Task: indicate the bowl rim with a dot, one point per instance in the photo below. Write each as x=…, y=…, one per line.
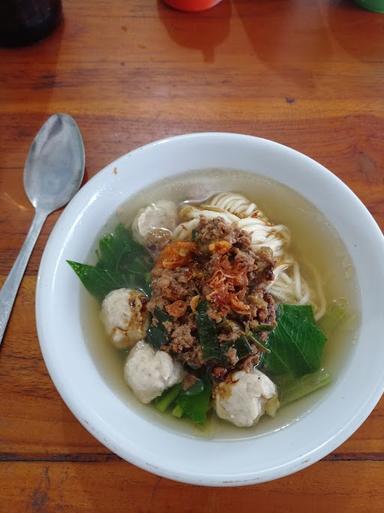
x=96, y=428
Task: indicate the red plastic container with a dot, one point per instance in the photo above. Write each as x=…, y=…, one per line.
x=192, y=5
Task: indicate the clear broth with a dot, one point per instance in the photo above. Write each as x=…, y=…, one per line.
x=320, y=246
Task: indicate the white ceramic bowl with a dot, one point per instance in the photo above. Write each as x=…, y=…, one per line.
x=349, y=399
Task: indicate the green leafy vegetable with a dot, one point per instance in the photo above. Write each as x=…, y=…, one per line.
x=296, y=344
x=122, y=262
x=197, y=388
x=207, y=333
x=177, y=411
x=163, y=402
x=97, y=281
x=264, y=327
x=194, y=403
x=157, y=335
x=119, y=252
x=161, y=315
x=243, y=347
x=291, y=390
x=253, y=337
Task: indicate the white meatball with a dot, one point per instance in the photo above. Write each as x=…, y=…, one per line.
x=149, y=372
x=124, y=316
x=246, y=398
x=153, y=225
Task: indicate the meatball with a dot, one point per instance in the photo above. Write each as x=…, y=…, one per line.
x=149, y=372
x=124, y=316
x=245, y=398
x=153, y=226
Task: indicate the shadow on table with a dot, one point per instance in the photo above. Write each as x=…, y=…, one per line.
x=202, y=31
x=358, y=31
x=292, y=39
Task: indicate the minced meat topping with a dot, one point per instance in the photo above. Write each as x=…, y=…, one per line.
x=220, y=268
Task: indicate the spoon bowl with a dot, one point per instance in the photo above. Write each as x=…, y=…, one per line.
x=54, y=168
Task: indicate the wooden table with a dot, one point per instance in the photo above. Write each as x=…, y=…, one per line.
x=307, y=73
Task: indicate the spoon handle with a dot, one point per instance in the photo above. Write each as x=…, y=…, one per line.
x=11, y=285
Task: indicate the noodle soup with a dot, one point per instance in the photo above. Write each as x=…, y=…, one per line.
x=321, y=277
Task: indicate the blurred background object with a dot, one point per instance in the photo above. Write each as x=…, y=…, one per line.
x=192, y=5
x=25, y=21
x=372, y=5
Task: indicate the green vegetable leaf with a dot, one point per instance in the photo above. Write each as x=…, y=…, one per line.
x=158, y=335
x=168, y=397
x=122, y=263
x=119, y=252
x=99, y=282
x=296, y=344
x=243, y=347
x=207, y=333
x=195, y=402
x=196, y=388
x=292, y=389
x=161, y=315
x=177, y=411
x=263, y=327
x=254, y=338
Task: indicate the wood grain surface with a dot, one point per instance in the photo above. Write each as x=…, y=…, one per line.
x=307, y=73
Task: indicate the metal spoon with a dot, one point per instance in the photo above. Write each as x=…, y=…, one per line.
x=53, y=172
x=199, y=201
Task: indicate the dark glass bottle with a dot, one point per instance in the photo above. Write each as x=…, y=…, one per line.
x=25, y=21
